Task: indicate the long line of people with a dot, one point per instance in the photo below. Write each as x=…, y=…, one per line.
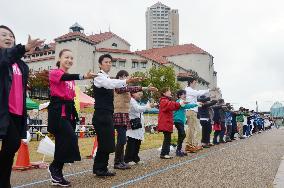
x=117, y=107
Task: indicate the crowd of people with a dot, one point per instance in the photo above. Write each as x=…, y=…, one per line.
x=117, y=109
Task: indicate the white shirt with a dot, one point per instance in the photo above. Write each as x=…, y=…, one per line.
x=103, y=80
x=135, y=110
x=191, y=96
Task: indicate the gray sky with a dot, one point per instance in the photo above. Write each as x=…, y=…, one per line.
x=246, y=37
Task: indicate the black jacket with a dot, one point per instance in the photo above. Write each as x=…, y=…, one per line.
x=219, y=114
x=7, y=58
x=203, y=111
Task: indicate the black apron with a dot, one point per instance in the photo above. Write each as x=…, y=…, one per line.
x=63, y=129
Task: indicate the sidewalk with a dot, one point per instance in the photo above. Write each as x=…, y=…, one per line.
x=279, y=178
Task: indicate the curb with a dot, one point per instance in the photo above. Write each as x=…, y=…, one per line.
x=279, y=178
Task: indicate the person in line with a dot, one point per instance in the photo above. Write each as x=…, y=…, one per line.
x=192, y=141
x=165, y=119
x=205, y=121
x=240, y=122
x=103, y=116
x=121, y=117
x=13, y=113
x=179, y=121
x=228, y=122
x=135, y=136
x=219, y=122
x=62, y=116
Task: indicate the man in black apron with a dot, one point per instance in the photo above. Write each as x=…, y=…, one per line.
x=103, y=115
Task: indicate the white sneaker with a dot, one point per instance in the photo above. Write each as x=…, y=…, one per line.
x=140, y=163
x=131, y=163
x=166, y=157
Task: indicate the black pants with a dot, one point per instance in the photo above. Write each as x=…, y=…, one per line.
x=103, y=124
x=229, y=131
x=166, y=144
x=234, y=130
x=132, y=150
x=181, y=134
x=121, y=141
x=223, y=131
x=206, y=131
x=216, y=134
x=10, y=145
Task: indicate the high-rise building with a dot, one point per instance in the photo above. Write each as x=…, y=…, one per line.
x=162, y=26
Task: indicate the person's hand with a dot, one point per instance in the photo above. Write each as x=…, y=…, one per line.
x=133, y=80
x=151, y=88
x=89, y=75
x=32, y=43
x=182, y=103
x=152, y=105
x=200, y=104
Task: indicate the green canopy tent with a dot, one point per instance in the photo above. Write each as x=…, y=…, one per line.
x=31, y=104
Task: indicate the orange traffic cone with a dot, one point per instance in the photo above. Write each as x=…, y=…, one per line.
x=81, y=134
x=23, y=159
x=95, y=147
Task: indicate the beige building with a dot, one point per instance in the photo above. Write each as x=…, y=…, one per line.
x=162, y=26
x=186, y=60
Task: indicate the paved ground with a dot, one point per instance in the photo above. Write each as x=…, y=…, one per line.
x=251, y=162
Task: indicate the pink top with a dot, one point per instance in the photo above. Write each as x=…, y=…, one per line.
x=63, y=89
x=16, y=101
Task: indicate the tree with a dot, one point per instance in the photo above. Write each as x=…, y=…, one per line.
x=159, y=77
x=39, y=80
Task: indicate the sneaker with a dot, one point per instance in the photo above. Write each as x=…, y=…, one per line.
x=53, y=174
x=120, y=166
x=62, y=183
x=179, y=153
x=206, y=146
x=228, y=140
x=140, y=163
x=199, y=148
x=126, y=165
x=192, y=149
x=184, y=153
x=131, y=163
x=104, y=173
x=166, y=157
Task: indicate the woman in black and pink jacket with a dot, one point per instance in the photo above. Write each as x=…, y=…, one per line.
x=13, y=115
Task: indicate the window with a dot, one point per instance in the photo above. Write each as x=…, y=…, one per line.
x=122, y=64
x=134, y=64
x=143, y=64
x=114, y=63
x=114, y=45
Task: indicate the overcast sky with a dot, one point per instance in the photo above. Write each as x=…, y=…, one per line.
x=246, y=37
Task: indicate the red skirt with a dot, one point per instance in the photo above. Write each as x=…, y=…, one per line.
x=217, y=127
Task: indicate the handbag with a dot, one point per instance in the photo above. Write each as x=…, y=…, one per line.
x=136, y=123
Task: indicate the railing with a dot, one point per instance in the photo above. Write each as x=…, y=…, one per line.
x=39, y=93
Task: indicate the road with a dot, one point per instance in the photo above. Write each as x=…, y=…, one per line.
x=251, y=162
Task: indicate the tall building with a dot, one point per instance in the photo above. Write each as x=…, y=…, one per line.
x=162, y=26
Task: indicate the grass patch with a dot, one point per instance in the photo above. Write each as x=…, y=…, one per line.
x=86, y=146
